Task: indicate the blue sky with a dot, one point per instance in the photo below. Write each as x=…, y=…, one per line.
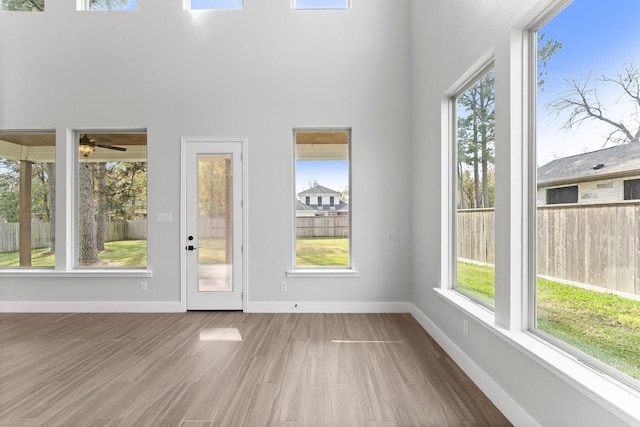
x=333, y=174
x=130, y=5
x=216, y=4
x=597, y=37
x=321, y=4
x=237, y=4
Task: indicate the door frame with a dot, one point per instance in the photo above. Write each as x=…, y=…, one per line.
x=184, y=142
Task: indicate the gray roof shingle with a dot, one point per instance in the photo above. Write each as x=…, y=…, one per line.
x=615, y=160
x=318, y=189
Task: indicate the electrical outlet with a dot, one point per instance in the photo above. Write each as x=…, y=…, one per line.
x=143, y=286
x=465, y=327
x=283, y=286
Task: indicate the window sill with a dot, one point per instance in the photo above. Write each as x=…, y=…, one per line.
x=16, y=273
x=323, y=272
x=617, y=397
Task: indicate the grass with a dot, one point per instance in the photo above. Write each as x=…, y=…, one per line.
x=211, y=251
x=603, y=325
x=123, y=253
x=477, y=280
x=322, y=251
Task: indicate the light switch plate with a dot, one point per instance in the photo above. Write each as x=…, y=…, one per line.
x=164, y=217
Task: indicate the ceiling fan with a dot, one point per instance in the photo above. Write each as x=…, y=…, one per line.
x=87, y=145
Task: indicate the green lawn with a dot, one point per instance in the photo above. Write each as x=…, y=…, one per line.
x=124, y=253
x=211, y=251
x=477, y=280
x=322, y=251
x=605, y=326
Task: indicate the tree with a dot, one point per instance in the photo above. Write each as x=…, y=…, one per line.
x=476, y=136
x=9, y=190
x=581, y=102
x=100, y=171
x=546, y=49
x=107, y=4
x=51, y=186
x=38, y=5
x=23, y=5
x=88, y=251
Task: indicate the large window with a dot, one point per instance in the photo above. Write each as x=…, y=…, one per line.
x=475, y=188
x=111, y=212
x=322, y=228
x=587, y=281
x=27, y=199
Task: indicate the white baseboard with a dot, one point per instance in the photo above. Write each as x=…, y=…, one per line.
x=89, y=307
x=327, y=307
x=509, y=407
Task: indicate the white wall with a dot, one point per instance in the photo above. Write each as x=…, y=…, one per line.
x=256, y=73
x=449, y=37
x=380, y=68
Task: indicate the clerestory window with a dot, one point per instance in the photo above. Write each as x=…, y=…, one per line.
x=107, y=5
x=213, y=4
x=22, y=5
x=320, y=4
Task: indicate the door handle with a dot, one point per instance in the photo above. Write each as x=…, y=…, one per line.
x=190, y=247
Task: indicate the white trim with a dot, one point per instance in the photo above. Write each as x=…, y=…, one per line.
x=604, y=390
x=295, y=270
x=184, y=141
x=323, y=272
x=327, y=307
x=32, y=272
x=505, y=403
x=90, y=307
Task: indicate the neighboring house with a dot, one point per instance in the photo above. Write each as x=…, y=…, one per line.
x=320, y=201
x=604, y=176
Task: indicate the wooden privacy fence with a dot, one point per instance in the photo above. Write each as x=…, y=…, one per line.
x=322, y=226
x=9, y=236
x=41, y=233
x=319, y=226
x=211, y=227
x=597, y=245
x=476, y=235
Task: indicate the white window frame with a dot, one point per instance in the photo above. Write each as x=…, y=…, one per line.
x=320, y=271
x=66, y=205
x=531, y=80
x=77, y=133
x=470, y=79
x=516, y=209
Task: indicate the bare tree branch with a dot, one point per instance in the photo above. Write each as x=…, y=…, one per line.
x=581, y=103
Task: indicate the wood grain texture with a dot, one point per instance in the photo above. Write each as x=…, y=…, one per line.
x=210, y=369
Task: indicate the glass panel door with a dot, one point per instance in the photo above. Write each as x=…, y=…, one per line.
x=215, y=223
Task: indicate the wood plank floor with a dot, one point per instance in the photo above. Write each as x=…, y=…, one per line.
x=206, y=369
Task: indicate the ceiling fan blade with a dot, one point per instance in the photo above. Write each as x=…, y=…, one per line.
x=101, y=139
x=111, y=147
